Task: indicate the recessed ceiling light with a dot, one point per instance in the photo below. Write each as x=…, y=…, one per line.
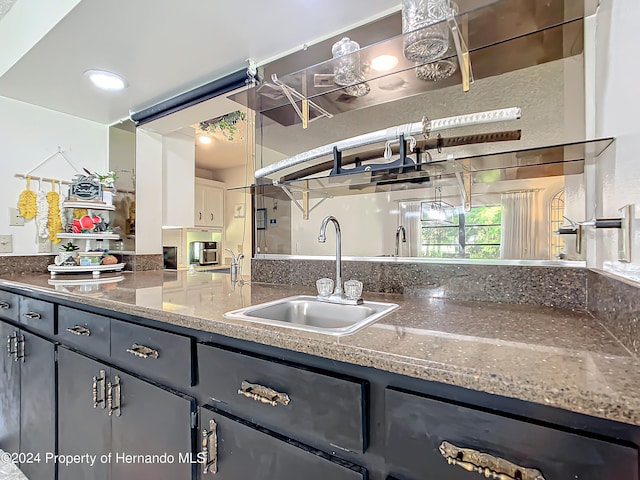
x=383, y=63
x=106, y=80
x=204, y=139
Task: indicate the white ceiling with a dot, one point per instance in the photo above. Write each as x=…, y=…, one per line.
x=164, y=47
x=5, y=6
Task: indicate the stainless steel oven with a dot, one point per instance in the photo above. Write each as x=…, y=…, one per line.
x=203, y=253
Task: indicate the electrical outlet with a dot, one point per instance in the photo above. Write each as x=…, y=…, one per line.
x=44, y=245
x=15, y=219
x=6, y=243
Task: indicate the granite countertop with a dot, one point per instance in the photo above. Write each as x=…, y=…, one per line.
x=557, y=357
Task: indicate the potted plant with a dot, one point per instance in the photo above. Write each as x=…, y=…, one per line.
x=108, y=182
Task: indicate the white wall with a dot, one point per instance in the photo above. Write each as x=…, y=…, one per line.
x=148, y=192
x=178, y=189
x=28, y=135
x=617, y=104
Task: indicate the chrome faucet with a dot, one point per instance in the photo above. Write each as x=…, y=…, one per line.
x=236, y=264
x=338, y=295
x=404, y=238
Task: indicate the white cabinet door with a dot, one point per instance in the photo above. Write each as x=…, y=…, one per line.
x=209, y=204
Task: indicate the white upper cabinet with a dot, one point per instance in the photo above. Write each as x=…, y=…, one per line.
x=209, y=203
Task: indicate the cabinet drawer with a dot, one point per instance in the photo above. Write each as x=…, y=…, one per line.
x=321, y=408
x=37, y=314
x=152, y=353
x=241, y=451
x=87, y=331
x=9, y=305
x=417, y=426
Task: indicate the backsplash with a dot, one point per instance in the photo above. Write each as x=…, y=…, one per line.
x=563, y=287
x=616, y=303
x=22, y=264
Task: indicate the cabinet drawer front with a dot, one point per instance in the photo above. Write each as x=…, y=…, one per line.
x=9, y=305
x=152, y=353
x=37, y=314
x=321, y=408
x=417, y=426
x=243, y=452
x=87, y=331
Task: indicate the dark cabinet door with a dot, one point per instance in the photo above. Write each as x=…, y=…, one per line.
x=9, y=390
x=38, y=405
x=149, y=420
x=82, y=428
x=241, y=451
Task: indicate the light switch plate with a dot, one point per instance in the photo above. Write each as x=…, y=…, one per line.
x=15, y=219
x=6, y=243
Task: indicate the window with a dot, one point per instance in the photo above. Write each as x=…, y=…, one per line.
x=556, y=219
x=473, y=234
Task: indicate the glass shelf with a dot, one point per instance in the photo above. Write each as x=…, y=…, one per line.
x=501, y=36
x=548, y=161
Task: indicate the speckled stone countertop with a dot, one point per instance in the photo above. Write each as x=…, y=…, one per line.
x=551, y=356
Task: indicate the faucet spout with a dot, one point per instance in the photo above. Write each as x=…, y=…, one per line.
x=322, y=238
x=399, y=230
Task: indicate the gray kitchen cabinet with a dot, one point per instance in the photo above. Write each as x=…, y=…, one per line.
x=429, y=438
x=233, y=449
x=152, y=422
x=84, y=426
x=27, y=400
x=37, y=405
x=147, y=429
x=9, y=391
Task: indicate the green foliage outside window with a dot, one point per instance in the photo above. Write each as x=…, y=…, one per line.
x=478, y=238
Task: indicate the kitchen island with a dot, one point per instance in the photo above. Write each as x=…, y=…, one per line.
x=545, y=372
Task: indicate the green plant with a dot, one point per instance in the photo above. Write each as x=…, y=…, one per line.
x=226, y=124
x=109, y=179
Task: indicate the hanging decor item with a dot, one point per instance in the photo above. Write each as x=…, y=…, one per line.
x=27, y=202
x=54, y=223
x=346, y=69
x=42, y=214
x=437, y=211
x=426, y=33
x=226, y=124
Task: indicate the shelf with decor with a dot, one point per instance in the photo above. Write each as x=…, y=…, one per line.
x=320, y=181
x=89, y=205
x=527, y=37
x=95, y=270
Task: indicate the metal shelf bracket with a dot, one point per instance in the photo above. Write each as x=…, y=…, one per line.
x=294, y=97
x=305, y=207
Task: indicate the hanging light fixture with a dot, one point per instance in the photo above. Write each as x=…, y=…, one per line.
x=437, y=211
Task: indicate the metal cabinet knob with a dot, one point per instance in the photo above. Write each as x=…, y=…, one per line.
x=97, y=381
x=79, y=330
x=210, y=449
x=263, y=394
x=113, y=397
x=32, y=315
x=5, y=305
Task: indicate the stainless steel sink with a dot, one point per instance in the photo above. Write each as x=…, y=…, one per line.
x=304, y=312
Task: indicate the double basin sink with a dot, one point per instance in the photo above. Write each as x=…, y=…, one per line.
x=305, y=312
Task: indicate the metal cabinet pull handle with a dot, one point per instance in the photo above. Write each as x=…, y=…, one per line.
x=210, y=449
x=79, y=330
x=19, y=348
x=142, y=351
x=487, y=465
x=212, y=217
x=113, y=397
x=99, y=400
x=263, y=394
x=5, y=305
x=32, y=315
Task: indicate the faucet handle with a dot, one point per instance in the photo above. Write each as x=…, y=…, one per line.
x=353, y=289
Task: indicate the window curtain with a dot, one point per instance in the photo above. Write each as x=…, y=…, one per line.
x=409, y=218
x=519, y=235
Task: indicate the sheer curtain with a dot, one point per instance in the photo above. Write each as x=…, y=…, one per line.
x=519, y=236
x=409, y=218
